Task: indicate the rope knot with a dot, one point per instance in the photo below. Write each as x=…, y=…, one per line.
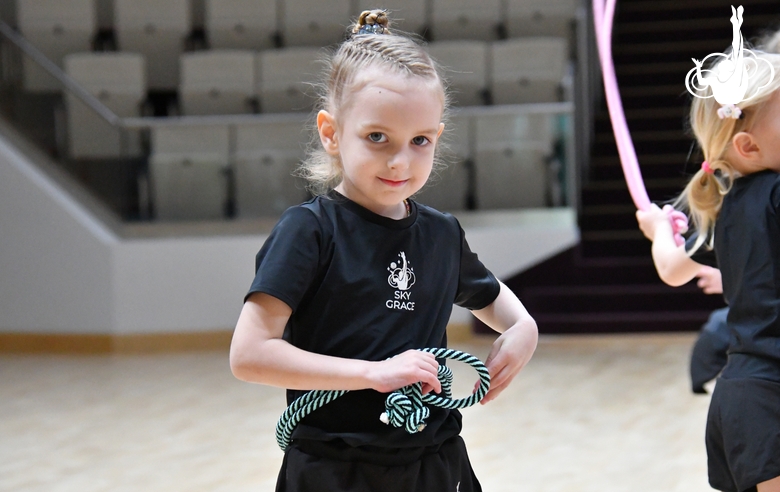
x=405, y=408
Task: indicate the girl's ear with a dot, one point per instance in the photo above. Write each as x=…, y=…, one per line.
x=745, y=146
x=441, y=130
x=326, y=126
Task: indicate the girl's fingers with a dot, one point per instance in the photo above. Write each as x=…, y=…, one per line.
x=433, y=382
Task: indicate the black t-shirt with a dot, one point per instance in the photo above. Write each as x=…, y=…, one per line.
x=367, y=287
x=747, y=245
x=704, y=254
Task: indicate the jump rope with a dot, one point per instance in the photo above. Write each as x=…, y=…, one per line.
x=405, y=408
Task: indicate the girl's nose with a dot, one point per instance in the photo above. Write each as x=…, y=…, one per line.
x=399, y=160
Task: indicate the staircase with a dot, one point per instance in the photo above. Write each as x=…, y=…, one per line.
x=608, y=283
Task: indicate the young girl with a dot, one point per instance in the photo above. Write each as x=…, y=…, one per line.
x=350, y=283
x=735, y=200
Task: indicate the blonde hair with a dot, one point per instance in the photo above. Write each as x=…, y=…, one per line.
x=770, y=42
x=703, y=196
x=370, y=45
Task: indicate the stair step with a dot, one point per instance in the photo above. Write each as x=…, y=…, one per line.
x=624, y=50
x=570, y=268
x=647, y=136
x=615, y=298
x=607, y=209
x=659, y=171
x=675, y=6
x=680, y=146
x=636, y=322
x=673, y=9
x=677, y=122
x=644, y=159
x=665, y=73
x=618, y=220
x=646, y=113
x=617, y=193
x=680, y=99
x=628, y=243
x=652, y=90
x=709, y=24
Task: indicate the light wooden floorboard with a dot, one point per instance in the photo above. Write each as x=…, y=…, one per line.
x=589, y=413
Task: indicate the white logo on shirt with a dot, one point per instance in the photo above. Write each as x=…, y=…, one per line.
x=401, y=278
x=401, y=275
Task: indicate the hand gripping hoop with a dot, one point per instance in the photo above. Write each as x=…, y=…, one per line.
x=403, y=407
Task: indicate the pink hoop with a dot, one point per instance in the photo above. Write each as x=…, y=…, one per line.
x=604, y=13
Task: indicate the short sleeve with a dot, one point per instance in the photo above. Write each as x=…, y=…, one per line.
x=703, y=254
x=477, y=286
x=288, y=261
x=775, y=196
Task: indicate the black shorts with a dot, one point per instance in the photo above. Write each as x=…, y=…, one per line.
x=743, y=434
x=444, y=468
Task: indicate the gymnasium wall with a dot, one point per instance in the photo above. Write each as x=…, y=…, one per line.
x=64, y=271
x=55, y=258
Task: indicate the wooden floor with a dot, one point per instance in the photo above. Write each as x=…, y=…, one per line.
x=589, y=413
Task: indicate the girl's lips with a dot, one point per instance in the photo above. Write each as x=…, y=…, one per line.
x=391, y=182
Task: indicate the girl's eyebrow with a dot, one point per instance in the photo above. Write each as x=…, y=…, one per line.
x=383, y=128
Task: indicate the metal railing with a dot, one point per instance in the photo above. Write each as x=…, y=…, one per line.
x=586, y=95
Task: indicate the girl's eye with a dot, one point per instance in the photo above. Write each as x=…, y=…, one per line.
x=420, y=140
x=377, y=137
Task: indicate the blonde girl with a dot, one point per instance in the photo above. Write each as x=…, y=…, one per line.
x=350, y=283
x=734, y=204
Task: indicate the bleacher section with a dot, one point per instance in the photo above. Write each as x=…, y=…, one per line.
x=119, y=81
x=188, y=171
x=241, y=24
x=231, y=57
x=57, y=28
x=218, y=82
x=157, y=29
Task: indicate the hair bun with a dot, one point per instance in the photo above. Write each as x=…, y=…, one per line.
x=372, y=22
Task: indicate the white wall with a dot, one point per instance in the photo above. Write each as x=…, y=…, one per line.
x=182, y=284
x=64, y=271
x=55, y=259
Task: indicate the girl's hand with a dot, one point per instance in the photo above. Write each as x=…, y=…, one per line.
x=407, y=368
x=510, y=353
x=710, y=280
x=650, y=219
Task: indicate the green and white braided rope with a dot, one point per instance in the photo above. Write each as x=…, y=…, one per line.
x=403, y=408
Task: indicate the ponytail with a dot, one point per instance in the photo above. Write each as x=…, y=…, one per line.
x=715, y=128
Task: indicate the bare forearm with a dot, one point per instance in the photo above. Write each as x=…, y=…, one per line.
x=506, y=312
x=277, y=363
x=258, y=353
x=517, y=343
x=673, y=264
